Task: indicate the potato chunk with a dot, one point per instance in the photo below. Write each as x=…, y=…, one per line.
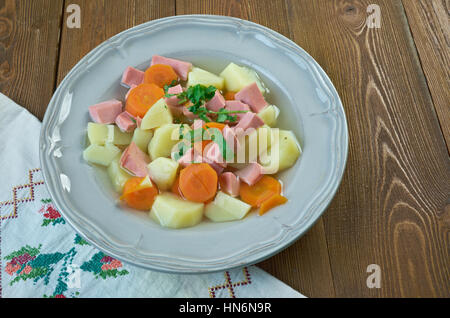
x=117, y=175
x=142, y=137
x=164, y=139
x=269, y=115
x=200, y=76
x=288, y=152
x=226, y=208
x=237, y=77
x=163, y=172
x=118, y=137
x=158, y=115
x=101, y=155
x=171, y=211
x=97, y=133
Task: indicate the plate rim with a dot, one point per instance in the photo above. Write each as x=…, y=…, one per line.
x=186, y=266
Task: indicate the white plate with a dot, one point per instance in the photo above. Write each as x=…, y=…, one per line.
x=309, y=106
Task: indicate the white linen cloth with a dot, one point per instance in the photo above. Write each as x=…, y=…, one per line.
x=42, y=256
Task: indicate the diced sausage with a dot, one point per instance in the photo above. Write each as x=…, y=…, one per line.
x=135, y=161
x=251, y=173
x=106, y=112
x=216, y=103
x=229, y=183
x=132, y=77
x=252, y=96
x=126, y=122
x=180, y=67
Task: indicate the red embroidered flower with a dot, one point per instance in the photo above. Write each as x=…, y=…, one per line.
x=52, y=213
x=106, y=259
x=116, y=264
x=12, y=268
x=106, y=267
x=27, y=269
x=60, y=296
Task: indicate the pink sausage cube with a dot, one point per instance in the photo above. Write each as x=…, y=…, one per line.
x=126, y=122
x=216, y=103
x=251, y=173
x=235, y=105
x=229, y=183
x=249, y=120
x=132, y=76
x=180, y=67
x=187, y=158
x=173, y=100
x=212, y=153
x=106, y=112
x=135, y=161
x=252, y=96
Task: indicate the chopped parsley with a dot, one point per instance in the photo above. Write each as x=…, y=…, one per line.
x=198, y=95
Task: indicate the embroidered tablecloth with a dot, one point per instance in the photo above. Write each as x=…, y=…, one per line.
x=42, y=256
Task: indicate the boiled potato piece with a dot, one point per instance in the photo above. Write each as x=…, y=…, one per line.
x=117, y=175
x=237, y=77
x=117, y=137
x=163, y=172
x=164, y=139
x=142, y=137
x=200, y=76
x=288, y=152
x=269, y=115
x=97, y=133
x=158, y=115
x=226, y=208
x=172, y=211
x=101, y=155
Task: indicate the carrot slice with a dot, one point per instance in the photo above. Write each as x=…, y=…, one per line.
x=229, y=95
x=136, y=197
x=262, y=190
x=198, y=182
x=160, y=75
x=141, y=98
x=206, y=142
x=212, y=124
x=273, y=201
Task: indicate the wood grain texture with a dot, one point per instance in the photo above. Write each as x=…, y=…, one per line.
x=391, y=207
x=429, y=24
x=304, y=265
x=100, y=20
x=29, y=42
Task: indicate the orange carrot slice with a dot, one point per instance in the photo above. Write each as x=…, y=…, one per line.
x=273, y=201
x=137, y=196
x=198, y=182
x=160, y=75
x=141, y=98
x=262, y=190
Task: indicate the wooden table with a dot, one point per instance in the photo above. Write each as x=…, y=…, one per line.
x=393, y=206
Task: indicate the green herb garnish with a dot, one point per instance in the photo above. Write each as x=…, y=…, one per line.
x=198, y=95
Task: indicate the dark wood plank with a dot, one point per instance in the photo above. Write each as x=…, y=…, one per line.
x=102, y=19
x=305, y=265
x=428, y=21
x=392, y=207
x=29, y=38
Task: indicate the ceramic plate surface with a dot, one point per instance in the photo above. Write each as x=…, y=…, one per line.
x=309, y=106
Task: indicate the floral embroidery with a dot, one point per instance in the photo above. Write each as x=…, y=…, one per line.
x=104, y=266
x=51, y=215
